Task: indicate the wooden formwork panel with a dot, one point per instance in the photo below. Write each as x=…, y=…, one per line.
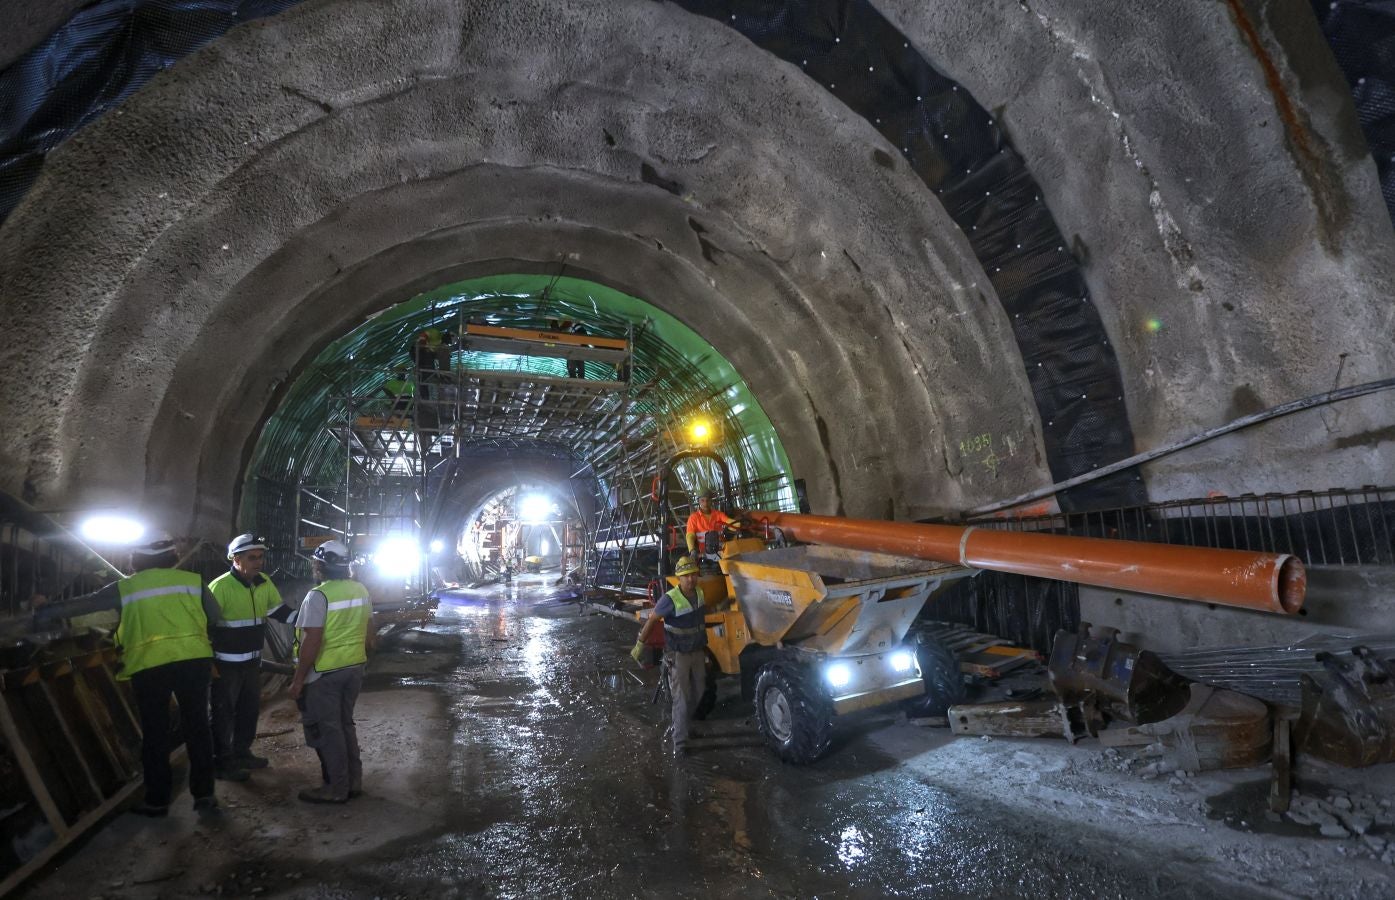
x=69, y=753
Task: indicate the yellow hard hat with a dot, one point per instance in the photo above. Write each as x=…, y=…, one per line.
x=686, y=566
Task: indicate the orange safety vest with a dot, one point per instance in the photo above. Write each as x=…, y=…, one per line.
x=701, y=523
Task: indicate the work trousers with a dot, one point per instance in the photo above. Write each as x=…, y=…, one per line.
x=328, y=717
x=687, y=679
x=237, y=700
x=187, y=680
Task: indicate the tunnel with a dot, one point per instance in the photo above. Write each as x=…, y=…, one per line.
x=1100, y=269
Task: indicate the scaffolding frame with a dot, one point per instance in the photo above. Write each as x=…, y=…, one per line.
x=400, y=452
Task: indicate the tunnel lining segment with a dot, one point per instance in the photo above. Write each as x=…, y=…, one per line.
x=961, y=154
x=1069, y=363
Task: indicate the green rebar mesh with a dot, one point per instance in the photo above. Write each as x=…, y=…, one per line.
x=685, y=374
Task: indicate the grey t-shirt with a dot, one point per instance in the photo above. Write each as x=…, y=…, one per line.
x=313, y=610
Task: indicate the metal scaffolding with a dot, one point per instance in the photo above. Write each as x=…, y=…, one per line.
x=404, y=434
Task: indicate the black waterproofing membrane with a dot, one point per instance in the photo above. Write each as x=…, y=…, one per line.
x=102, y=55
x=1362, y=36
x=1026, y=611
x=956, y=148
x=108, y=50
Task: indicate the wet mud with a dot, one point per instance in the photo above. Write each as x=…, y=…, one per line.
x=511, y=750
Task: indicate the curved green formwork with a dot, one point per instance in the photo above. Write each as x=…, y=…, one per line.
x=686, y=377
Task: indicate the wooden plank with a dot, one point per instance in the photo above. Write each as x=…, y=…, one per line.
x=100, y=719
x=125, y=702
x=46, y=855
x=1006, y=649
x=995, y=668
x=71, y=738
x=32, y=776
x=1033, y=718
x=1281, y=783
x=1125, y=737
x=546, y=337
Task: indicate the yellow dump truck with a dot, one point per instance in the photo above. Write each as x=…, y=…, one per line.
x=816, y=632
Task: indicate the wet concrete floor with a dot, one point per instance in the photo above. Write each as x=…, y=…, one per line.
x=511, y=752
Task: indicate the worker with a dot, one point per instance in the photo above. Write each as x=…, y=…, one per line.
x=431, y=351
x=399, y=388
x=165, y=650
x=576, y=368
x=244, y=596
x=703, y=521
x=682, y=613
x=332, y=639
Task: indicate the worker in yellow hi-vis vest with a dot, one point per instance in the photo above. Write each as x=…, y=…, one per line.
x=165, y=651
x=682, y=614
x=245, y=594
x=333, y=632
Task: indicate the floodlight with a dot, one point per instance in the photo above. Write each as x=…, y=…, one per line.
x=111, y=530
x=535, y=508
x=397, y=557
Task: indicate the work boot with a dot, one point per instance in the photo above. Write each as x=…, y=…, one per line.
x=250, y=760
x=231, y=773
x=207, y=804
x=150, y=810
x=355, y=789
x=322, y=794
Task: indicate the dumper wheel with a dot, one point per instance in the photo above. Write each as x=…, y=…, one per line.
x=944, y=683
x=793, y=715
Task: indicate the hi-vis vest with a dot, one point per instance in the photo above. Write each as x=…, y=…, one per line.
x=686, y=630
x=239, y=637
x=346, y=625
x=162, y=620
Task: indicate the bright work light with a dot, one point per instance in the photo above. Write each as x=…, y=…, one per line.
x=699, y=431
x=902, y=660
x=397, y=557
x=111, y=530
x=535, y=508
x=438, y=545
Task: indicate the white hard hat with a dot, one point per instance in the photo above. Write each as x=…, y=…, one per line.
x=156, y=544
x=332, y=553
x=244, y=542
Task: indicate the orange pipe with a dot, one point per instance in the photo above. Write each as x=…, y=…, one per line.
x=1273, y=582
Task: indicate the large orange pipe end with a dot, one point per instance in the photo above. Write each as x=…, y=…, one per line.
x=1271, y=582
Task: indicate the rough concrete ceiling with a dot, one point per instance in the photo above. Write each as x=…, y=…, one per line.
x=266, y=194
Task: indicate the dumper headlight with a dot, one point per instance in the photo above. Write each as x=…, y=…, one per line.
x=838, y=674
x=902, y=660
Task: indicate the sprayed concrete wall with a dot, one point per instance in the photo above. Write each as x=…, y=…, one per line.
x=1342, y=600
x=270, y=192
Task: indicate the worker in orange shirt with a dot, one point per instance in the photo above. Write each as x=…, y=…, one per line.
x=703, y=520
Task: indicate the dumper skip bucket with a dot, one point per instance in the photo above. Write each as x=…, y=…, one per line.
x=837, y=601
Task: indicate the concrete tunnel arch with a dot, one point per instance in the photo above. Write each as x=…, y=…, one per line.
x=357, y=166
